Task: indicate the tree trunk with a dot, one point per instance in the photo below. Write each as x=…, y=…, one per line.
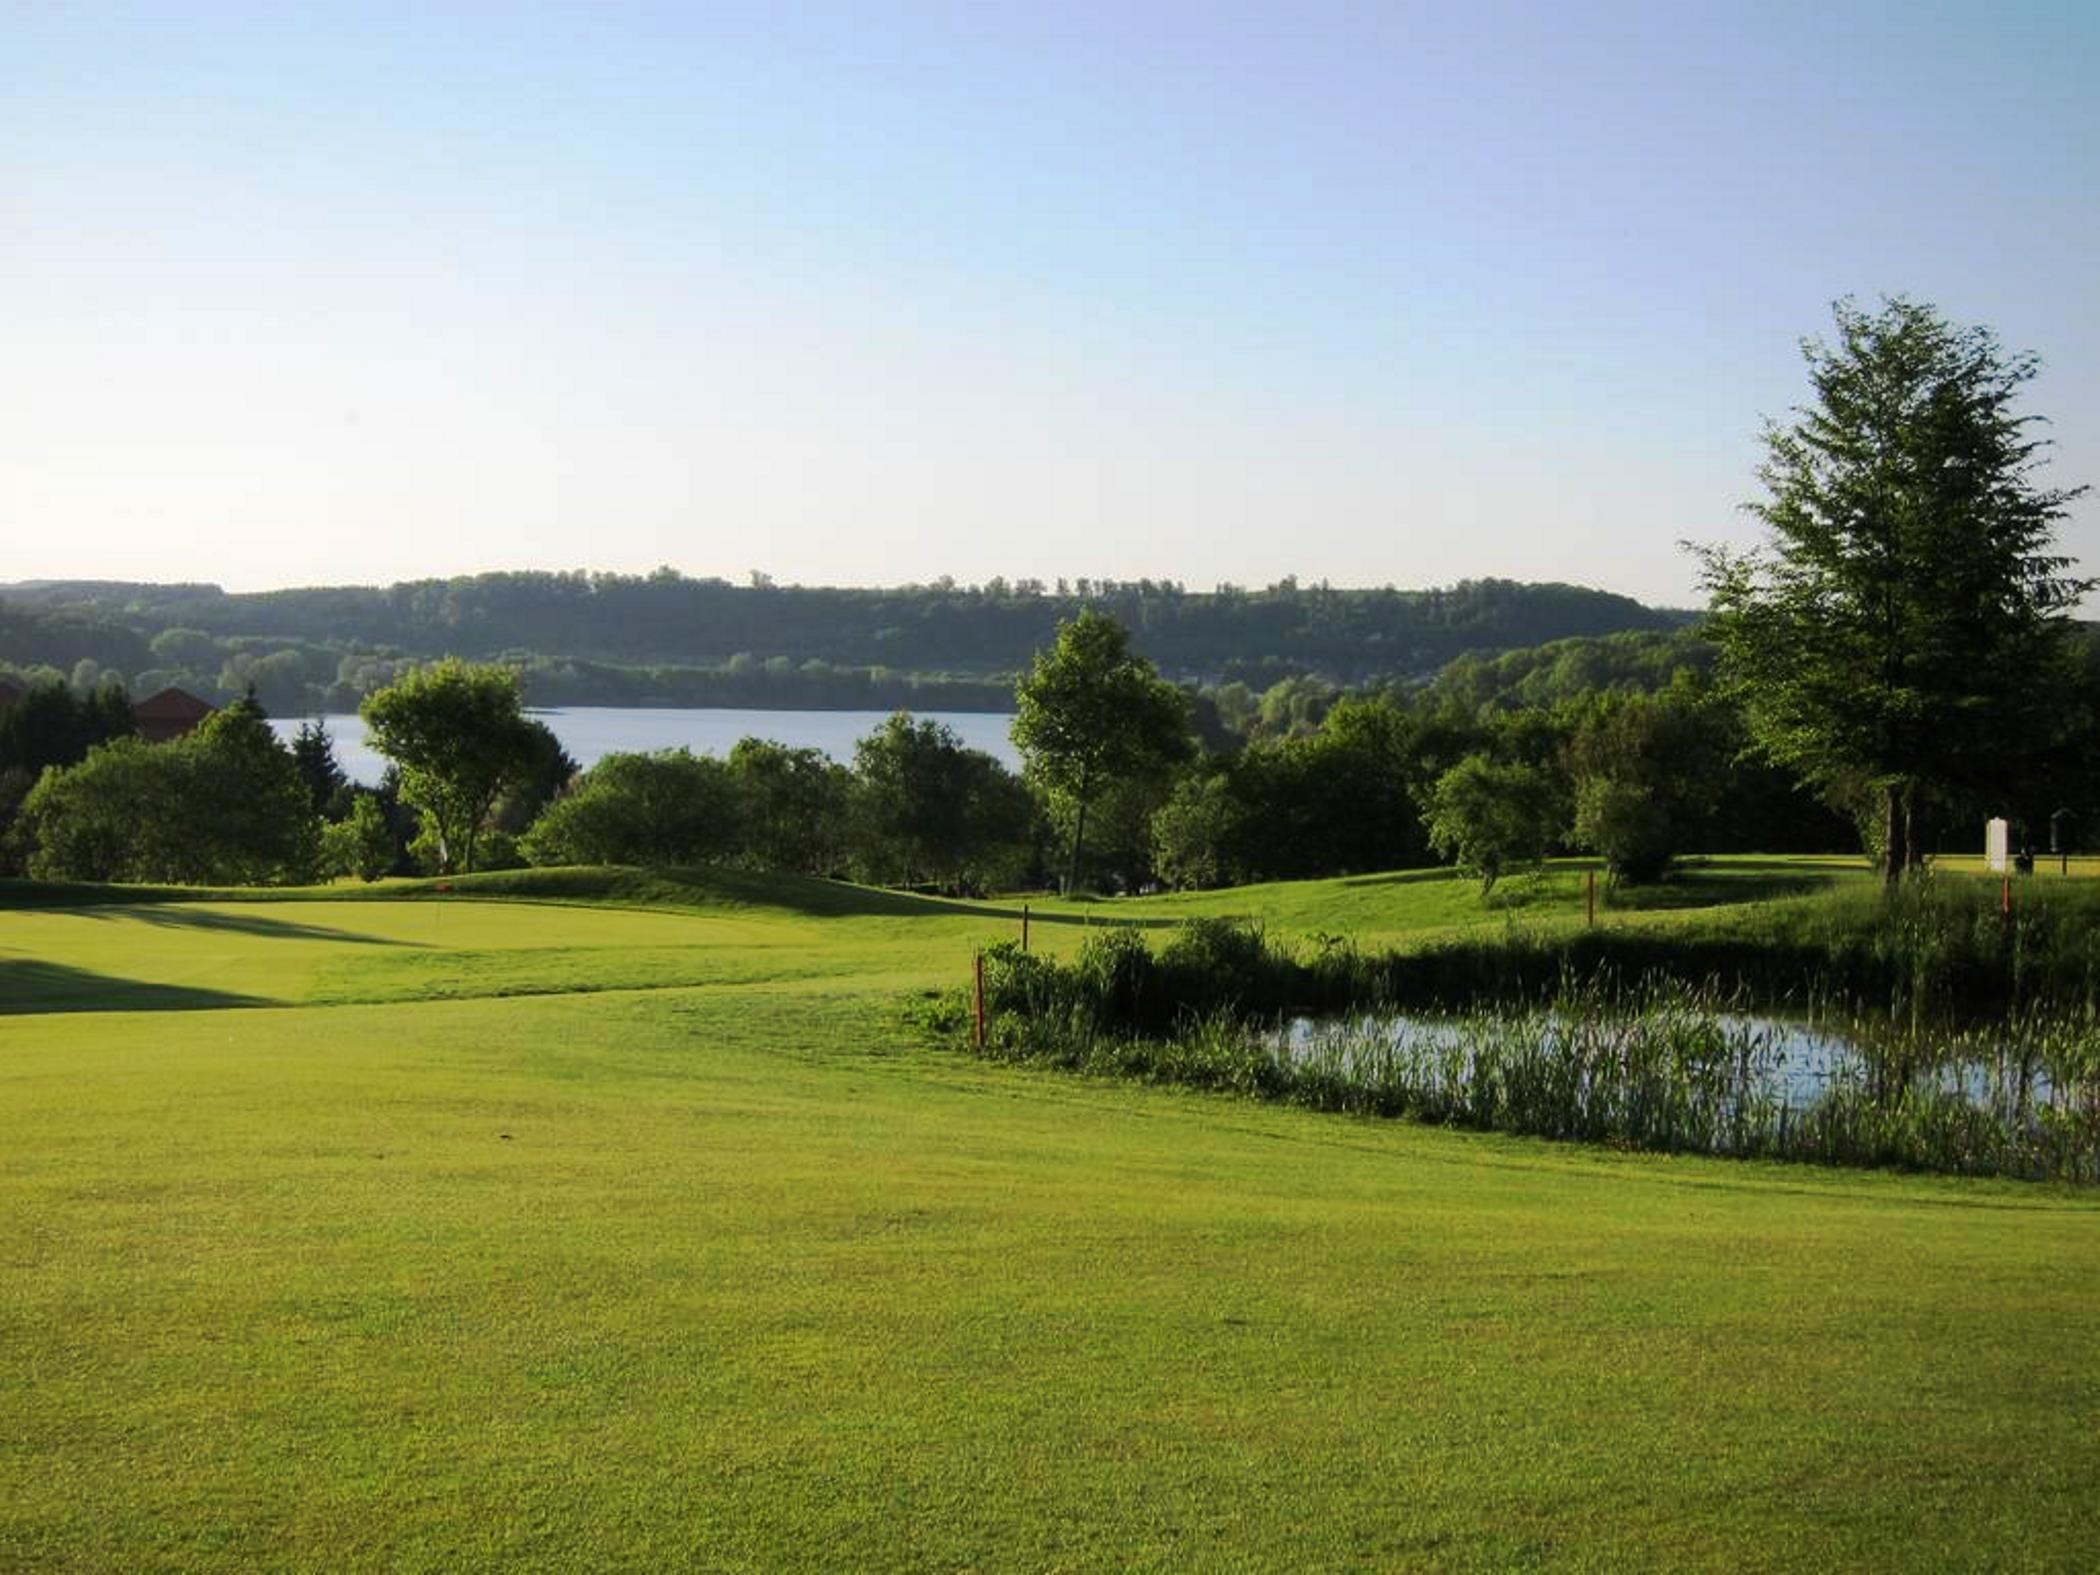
x=1086, y=785
x=1078, y=842
x=1895, y=850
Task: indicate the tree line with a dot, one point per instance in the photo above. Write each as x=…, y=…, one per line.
x=665, y=639
x=1896, y=661
x=1118, y=791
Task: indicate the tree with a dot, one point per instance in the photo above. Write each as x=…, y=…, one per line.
x=929, y=811
x=1195, y=833
x=247, y=817
x=1090, y=714
x=793, y=806
x=459, y=734
x=90, y=821
x=546, y=770
x=1899, y=637
x=1487, y=815
x=361, y=843
x=223, y=806
x=663, y=809
x=313, y=748
x=1647, y=772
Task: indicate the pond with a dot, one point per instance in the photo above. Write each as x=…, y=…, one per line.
x=1719, y=1072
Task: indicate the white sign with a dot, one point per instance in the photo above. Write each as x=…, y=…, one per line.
x=1994, y=845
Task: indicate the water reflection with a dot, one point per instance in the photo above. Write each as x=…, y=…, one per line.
x=1788, y=1061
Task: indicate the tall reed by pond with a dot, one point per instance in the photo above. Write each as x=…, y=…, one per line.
x=1971, y=1043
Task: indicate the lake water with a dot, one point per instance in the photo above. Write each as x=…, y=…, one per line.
x=590, y=732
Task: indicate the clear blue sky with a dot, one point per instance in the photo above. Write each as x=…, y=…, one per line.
x=1382, y=293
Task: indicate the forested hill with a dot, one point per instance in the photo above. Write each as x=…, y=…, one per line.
x=980, y=631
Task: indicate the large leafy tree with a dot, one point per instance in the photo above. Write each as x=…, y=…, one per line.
x=1488, y=815
x=793, y=806
x=1091, y=715
x=1898, y=640
x=225, y=805
x=668, y=808
x=1647, y=772
x=931, y=811
x=459, y=734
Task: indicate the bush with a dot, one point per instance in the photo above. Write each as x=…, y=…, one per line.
x=224, y=806
x=667, y=808
x=360, y=844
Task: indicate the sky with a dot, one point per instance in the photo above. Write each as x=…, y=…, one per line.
x=1378, y=294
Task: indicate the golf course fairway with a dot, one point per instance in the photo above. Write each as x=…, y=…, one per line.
x=442, y=1230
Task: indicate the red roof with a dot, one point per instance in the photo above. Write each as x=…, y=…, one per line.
x=169, y=714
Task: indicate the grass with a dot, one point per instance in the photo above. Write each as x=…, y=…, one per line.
x=666, y=1240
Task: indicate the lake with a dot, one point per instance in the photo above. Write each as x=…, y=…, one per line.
x=590, y=732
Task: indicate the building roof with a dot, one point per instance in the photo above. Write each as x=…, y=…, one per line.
x=169, y=714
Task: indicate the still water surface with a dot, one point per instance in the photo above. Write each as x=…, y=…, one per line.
x=1775, y=1057
x=589, y=732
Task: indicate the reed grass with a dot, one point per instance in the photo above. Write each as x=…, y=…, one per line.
x=1975, y=1035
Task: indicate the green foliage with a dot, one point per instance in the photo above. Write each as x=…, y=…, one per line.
x=49, y=725
x=313, y=750
x=1627, y=1036
x=1624, y=819
x=614, y=639
x=547, y=771
x=1120, y=838
x=460, y=738
x=1487, y=816
x=1647, y=772
x=1196, y=832
x=1091, y=716
x=793, y=805
x=1901, y=640
x=667, y=808
x=225, y=805
x=1545, y=676
x=927, y=811
x=361, y=843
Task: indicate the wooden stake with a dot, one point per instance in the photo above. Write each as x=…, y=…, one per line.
x=1593, y=896
x=2005, y=901
x=1024, y=926
x=980, y=1000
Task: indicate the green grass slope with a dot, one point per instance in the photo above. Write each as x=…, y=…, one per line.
x=663, y=1240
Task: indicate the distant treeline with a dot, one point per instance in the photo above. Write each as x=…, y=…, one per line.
x=664, y=639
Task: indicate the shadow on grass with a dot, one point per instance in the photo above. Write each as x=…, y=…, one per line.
x=1695, y=890
x=15, y=893
x=179, y=916
x=1421, y=877
x=31, y=986
x=810, y=896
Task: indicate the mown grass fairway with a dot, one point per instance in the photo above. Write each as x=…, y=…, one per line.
x=588, y=1236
